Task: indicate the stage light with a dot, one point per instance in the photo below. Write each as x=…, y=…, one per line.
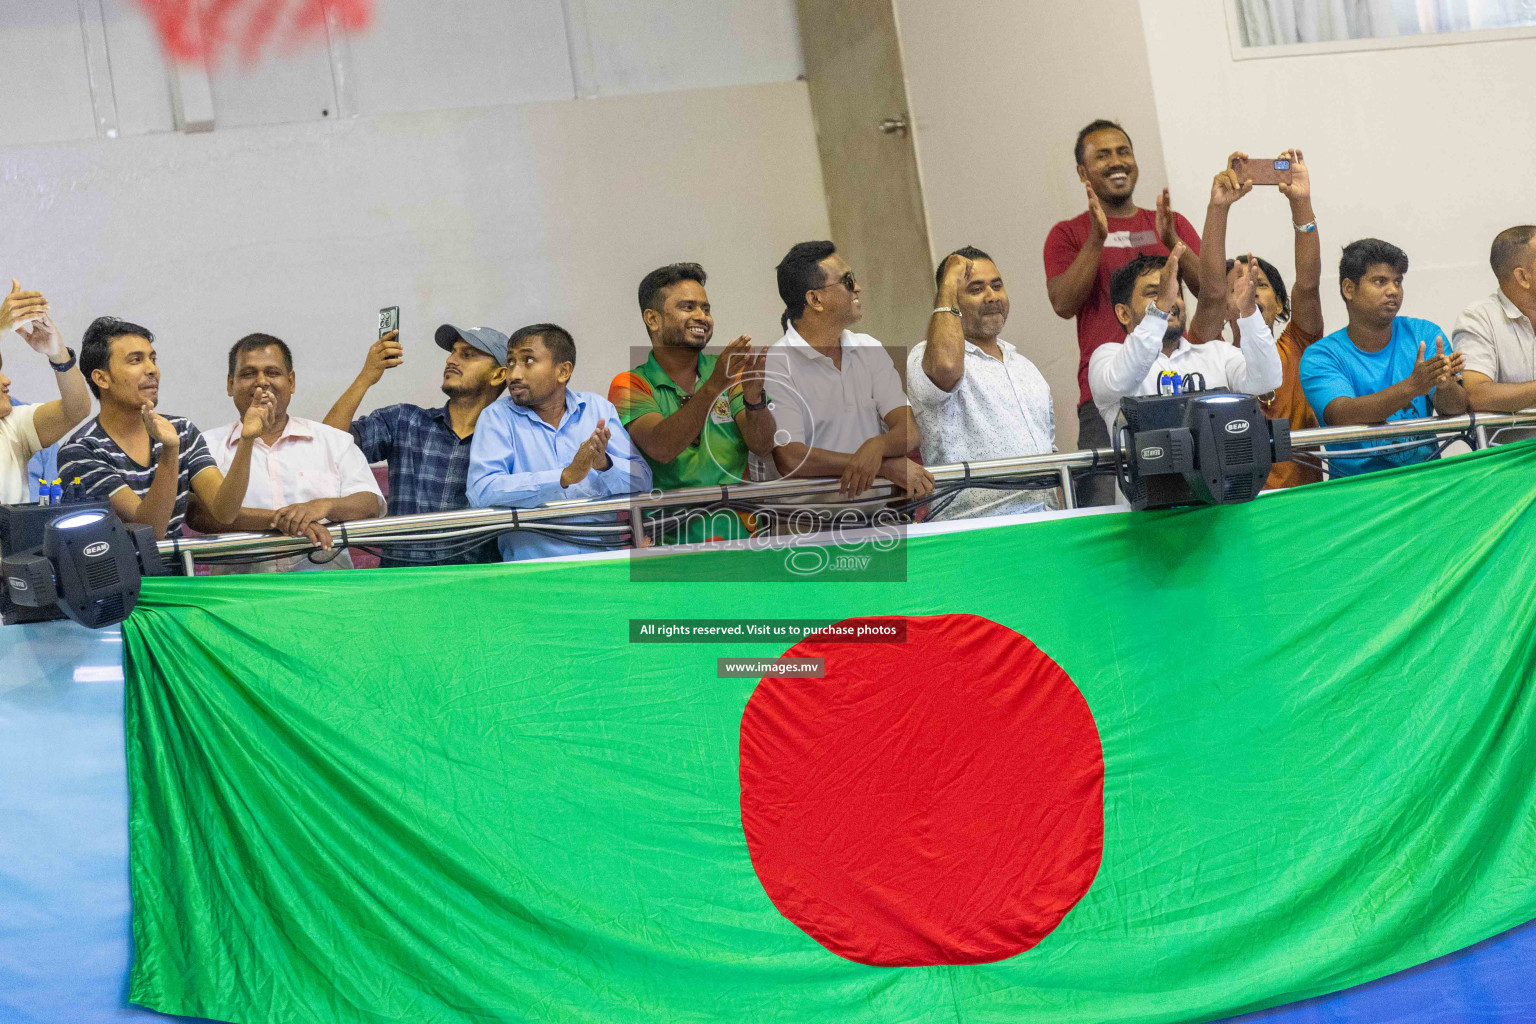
x=1212, y=448
x=90, y=565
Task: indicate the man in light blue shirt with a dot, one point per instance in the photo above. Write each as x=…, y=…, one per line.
x=1382, y=366
x=543, y=442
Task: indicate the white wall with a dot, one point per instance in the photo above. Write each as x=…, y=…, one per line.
x=494, y=212
x=75, y=72
x=999, y=90
x=502, y=216
x=1428, y=147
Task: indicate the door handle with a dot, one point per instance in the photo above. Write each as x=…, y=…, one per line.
x=894, y=126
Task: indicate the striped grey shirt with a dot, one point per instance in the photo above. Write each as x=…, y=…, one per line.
x=103, y=467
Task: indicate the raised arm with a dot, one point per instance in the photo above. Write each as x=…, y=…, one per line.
x=1211, y=310
x=1069, y=289
x=1255, y=367
x=222, y=493
x=1306, y=292
x=1168, y=232
x=384, y=354
x=55, y=419
x=1120, y=369
x=944, y=355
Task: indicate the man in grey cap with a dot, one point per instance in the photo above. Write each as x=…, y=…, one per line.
x=428, y=449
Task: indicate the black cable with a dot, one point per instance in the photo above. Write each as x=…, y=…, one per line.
x=1412, y=444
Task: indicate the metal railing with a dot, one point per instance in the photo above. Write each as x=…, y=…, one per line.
x=441, y=526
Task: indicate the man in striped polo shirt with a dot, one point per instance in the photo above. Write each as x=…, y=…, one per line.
x=149, y=465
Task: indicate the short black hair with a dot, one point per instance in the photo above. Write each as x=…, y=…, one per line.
x=799, y=272
x=252, y=342
x=1505, y=255
x=665, y=277
x=96, y=345
x=1366, y=253
x=1275, y=281
x=1122, y=284
x=966, y=252
x=1102, y=124
x=556, y=338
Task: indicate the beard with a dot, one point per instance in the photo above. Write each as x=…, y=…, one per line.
x=461, y=387
x=1174, y=332
x=680, y=339
x=988, y=324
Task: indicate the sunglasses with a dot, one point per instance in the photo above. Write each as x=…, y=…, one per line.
x=847, y=281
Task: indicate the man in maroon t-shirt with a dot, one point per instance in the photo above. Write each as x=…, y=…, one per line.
x=1082, y=253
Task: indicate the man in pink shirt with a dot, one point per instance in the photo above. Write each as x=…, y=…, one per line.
x=303, y=473
x=1082, y=254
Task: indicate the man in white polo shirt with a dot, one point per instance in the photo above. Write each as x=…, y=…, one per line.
x=975, y=396
x=303, y=473
x=1495, y=336
x=1149, y=303
x=838, y=407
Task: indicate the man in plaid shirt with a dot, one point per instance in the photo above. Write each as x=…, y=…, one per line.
x=428, y=449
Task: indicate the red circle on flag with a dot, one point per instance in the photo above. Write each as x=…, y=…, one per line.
x=938, y=801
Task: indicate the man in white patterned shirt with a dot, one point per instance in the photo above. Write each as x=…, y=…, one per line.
x=974, y=395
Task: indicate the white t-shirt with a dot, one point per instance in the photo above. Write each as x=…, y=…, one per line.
x=18, y=443
x=821, y=406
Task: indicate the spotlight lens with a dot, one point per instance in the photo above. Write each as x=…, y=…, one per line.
x=79, y=519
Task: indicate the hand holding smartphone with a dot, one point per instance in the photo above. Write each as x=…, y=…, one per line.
x=1264, y=171
x=389, y=320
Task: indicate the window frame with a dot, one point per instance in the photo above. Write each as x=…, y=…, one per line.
x=1484, y=35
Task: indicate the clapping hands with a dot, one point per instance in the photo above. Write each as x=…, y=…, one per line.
x=591, y=454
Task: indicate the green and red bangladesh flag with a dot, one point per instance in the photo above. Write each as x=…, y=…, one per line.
x=1158, y=767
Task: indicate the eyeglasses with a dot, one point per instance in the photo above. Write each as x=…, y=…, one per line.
x=847, y=281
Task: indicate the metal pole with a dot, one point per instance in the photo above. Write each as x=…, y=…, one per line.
x=1068, y=499
x=374, y=531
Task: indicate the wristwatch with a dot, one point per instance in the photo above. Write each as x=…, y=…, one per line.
x=1305, y=229
x=945, y=309
x=66, y=365
x=760, y=405
x=1152, y=310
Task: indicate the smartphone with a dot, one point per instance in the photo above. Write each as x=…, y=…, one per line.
x=1263, y=172
x=389, y=320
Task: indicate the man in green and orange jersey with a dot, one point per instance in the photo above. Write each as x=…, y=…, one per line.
x=693, y=415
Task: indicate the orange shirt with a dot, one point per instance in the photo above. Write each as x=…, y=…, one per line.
x=1290, y=403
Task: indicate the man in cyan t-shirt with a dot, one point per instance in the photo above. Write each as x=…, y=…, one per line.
x=1082, y=254
x=1382, y=366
